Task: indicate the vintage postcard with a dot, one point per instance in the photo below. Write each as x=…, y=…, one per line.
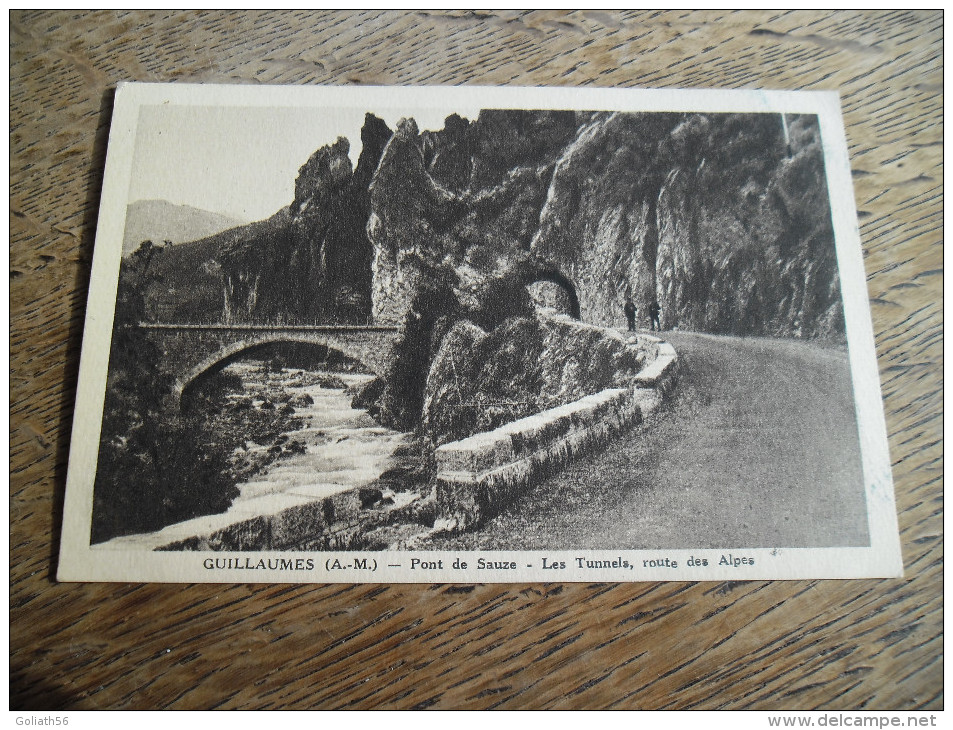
x=477, y=335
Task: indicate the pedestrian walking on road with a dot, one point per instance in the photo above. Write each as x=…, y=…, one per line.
x=654, y=310
x=629, y=310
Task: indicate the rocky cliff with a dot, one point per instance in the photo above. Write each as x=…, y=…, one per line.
x=309, y=262
x=316, y=265
x=721, y=218
x=465, y=200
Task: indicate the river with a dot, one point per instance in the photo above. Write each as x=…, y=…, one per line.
x=343, y=446
x=338, y=448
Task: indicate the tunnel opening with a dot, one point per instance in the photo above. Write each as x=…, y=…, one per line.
x=550, y=288
x=550, y=297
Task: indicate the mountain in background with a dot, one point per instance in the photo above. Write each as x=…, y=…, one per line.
x=160, y=220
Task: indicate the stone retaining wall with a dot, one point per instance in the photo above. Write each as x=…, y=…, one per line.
x=660, y=373
x=479, y=475
x=338, y=522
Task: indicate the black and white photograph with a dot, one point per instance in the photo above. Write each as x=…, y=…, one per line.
x=358, y=335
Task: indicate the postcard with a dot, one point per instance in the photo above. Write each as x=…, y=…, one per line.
x=474, y=334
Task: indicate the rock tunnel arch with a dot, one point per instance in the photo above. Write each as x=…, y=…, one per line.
x=537, y=271
x=232, y=351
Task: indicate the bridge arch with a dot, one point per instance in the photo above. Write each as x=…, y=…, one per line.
x=231, y=349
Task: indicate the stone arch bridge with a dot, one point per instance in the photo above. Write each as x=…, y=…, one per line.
x=188, y=350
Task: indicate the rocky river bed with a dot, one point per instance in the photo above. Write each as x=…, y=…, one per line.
x=293, y=438
x=335, y=448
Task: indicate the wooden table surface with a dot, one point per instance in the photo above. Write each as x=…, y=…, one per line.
x=873, y=644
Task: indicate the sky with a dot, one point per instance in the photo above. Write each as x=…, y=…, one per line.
x=242, y=161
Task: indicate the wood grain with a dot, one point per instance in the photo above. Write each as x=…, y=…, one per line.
x=765, y=645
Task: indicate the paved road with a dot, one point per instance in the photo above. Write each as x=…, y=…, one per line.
x=758, y=448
